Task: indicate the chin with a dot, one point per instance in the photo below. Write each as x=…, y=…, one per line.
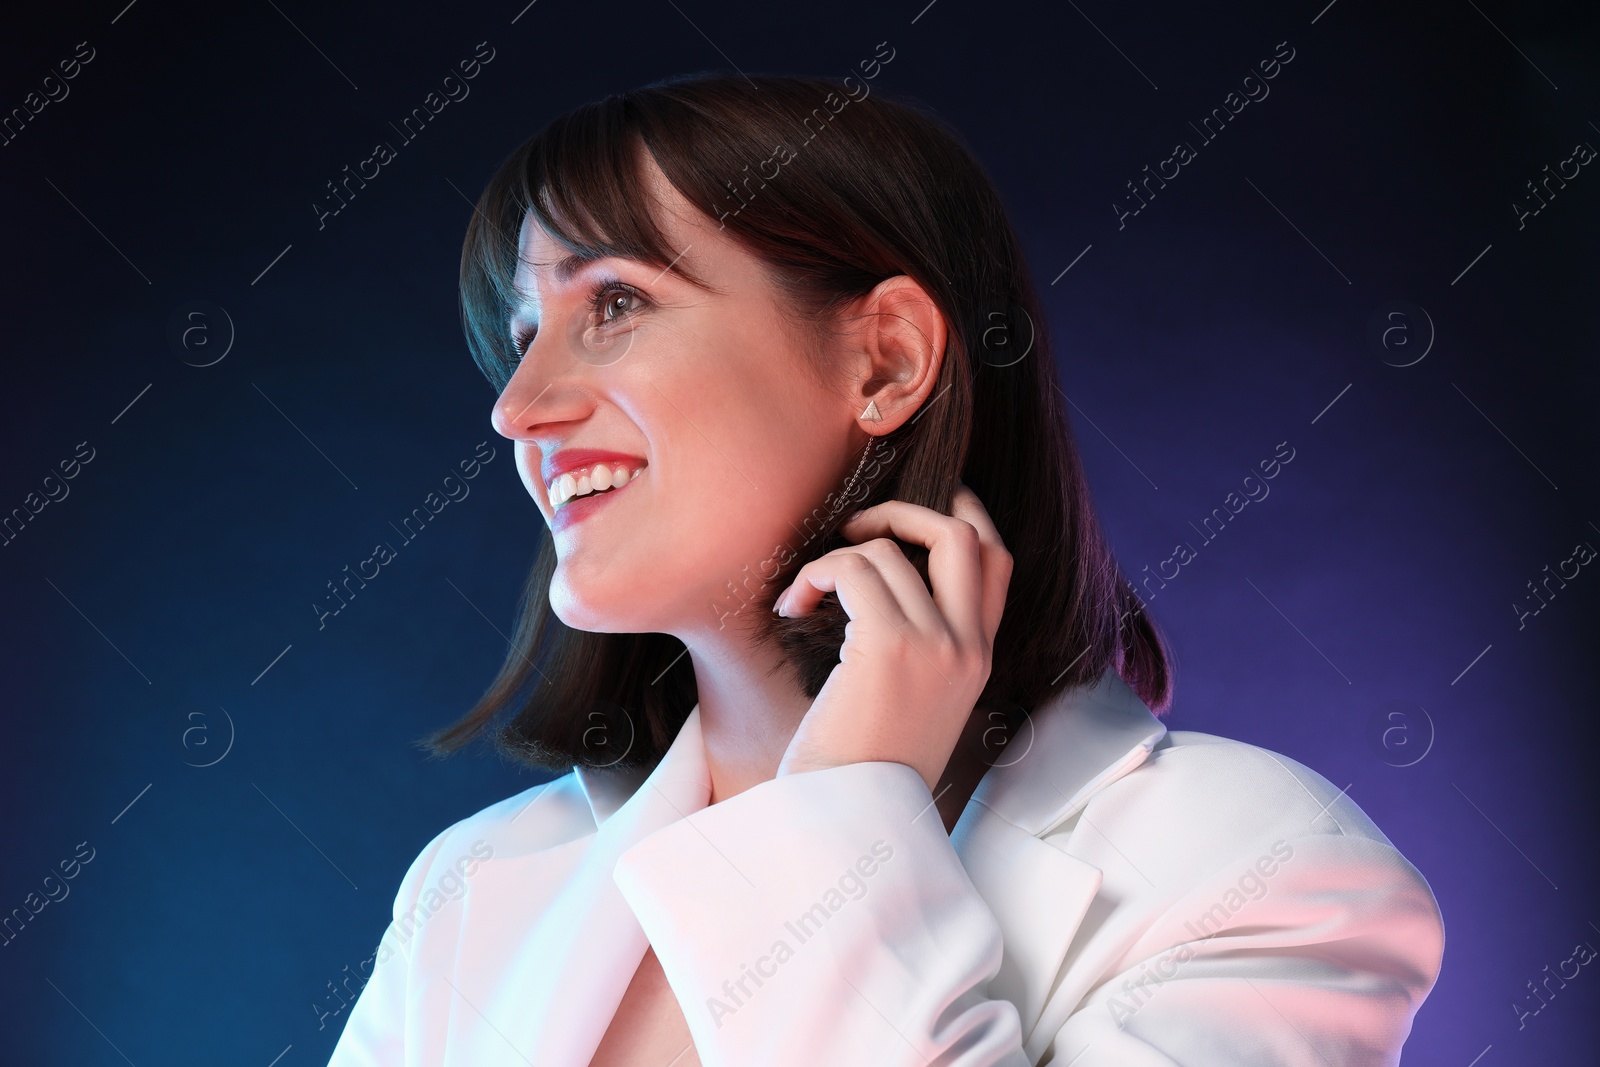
x=597, y=611
x=576, y=611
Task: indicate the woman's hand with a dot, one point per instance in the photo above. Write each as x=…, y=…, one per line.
x=913, y=664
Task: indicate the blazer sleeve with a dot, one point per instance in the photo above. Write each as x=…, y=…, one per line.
x=374, y=1032
x=824, y=917
x=1318, y=957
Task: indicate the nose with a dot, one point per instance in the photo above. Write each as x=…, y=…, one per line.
x=534, y=400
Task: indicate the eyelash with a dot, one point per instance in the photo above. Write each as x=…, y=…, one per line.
x=598, y=294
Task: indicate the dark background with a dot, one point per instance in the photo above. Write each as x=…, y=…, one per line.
x=1359, y=619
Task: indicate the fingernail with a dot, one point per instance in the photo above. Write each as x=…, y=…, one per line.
x=783, y=602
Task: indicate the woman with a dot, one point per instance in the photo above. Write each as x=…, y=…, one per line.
x=851, y=707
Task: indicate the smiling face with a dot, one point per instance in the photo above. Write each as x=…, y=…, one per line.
x=710, y=396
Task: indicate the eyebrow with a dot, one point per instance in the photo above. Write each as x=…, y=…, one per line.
x=564, y=269
x=569, y=265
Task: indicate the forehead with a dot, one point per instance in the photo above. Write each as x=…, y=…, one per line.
x=544, y=263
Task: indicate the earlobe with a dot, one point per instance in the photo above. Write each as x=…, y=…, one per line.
x=904, y=344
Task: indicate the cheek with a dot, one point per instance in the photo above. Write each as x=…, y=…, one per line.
x=716, y=508
x=785, y=469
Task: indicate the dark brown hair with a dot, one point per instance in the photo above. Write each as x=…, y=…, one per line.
x=834, y=190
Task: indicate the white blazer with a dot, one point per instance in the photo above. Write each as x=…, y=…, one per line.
x=1113, y=894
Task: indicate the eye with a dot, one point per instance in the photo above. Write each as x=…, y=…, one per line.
x=611, y=300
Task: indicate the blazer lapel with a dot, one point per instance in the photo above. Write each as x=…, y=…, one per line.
x=1070, y=749
x=556, y=987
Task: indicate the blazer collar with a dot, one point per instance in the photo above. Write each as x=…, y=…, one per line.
x=1074, y=745
x=1067, y=750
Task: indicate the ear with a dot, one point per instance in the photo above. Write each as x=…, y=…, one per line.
x=898, y=350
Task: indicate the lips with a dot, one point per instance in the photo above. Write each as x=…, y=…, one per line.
x=572, y=459
x=577, y=481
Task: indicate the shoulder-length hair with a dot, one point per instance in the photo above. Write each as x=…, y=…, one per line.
x=833, y=190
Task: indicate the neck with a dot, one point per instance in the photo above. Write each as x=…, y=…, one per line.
x=749, y=711
x=751, y=705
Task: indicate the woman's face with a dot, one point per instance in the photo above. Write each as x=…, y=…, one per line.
x=705, y=398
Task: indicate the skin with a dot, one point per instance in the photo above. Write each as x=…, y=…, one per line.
x=742, y=439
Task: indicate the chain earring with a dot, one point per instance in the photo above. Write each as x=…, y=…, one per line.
x=850, y=482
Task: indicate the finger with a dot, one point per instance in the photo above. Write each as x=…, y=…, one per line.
x=855, y=579
x=997, y=560
x=902, y=578
x=954, y=562
x=866, y=597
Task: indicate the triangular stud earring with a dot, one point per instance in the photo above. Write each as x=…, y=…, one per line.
x=872, y=414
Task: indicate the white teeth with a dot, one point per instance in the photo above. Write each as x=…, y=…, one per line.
x=598, y=479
